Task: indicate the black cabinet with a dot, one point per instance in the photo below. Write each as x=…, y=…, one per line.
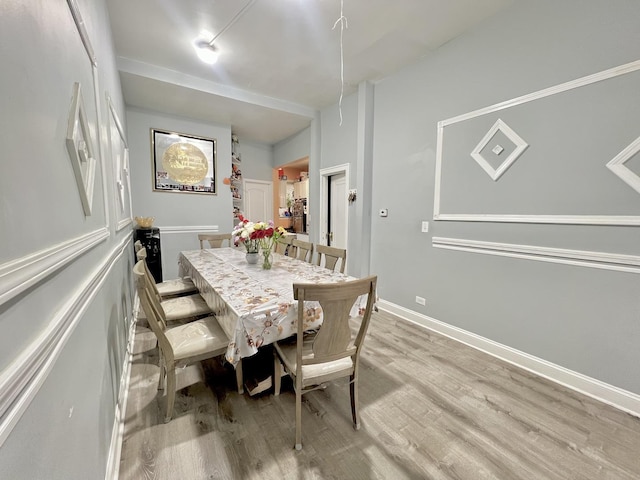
x=150, y=239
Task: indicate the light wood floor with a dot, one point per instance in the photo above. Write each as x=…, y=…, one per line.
x=440, y=411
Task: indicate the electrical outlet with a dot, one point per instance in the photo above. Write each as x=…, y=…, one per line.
x=420, y=300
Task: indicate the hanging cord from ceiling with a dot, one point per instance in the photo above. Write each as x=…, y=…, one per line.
x=343, y=24
x=235, y=18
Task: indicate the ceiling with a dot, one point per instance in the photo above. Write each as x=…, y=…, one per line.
x=280, y=60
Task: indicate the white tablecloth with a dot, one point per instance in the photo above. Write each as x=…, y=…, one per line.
x=254, y=306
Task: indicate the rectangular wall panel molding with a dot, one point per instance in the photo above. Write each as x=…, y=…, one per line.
x=20, y=382
x=567, y=154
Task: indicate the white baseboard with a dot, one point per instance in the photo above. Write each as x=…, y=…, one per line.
x=614, y=396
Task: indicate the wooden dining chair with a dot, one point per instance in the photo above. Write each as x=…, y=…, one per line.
x=215, y=240
x=283, y=245
x=169, y=288
x=181, y=308
x=331, y=255
x=180, y=345
x=302, y=250
x=329, y=353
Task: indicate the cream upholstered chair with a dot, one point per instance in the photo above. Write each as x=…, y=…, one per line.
x=329, y=353
x=216, y=240
x=181, y=345
x=331, y=256
x=283, y=244
x=169, y=288
x=302, y=250
x=176, y=308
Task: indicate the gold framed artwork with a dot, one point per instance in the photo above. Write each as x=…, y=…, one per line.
x=183, y=163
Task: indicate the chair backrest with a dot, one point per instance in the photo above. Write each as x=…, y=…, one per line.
x=302, y=250
x=142, y=255
x=331, y=256
x=333, y=340
x=216, y=240
x=282, y=244
x=145, y=279
x=153, y=311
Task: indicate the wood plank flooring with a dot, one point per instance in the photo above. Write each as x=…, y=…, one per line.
x=439, y=411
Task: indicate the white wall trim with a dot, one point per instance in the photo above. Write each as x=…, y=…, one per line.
x=22, y=379
x=22, y=273
x=609, y=394
x=582, y=258
x=616, y=165
x=325, y=173
x=562, y=87
x=553, y=219
x=189, y=229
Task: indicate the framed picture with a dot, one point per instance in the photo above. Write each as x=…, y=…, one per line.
x=183, y=163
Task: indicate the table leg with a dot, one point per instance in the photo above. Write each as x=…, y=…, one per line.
x=239, y=377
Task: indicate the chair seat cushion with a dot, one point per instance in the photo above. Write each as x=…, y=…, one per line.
x=185, y=307
x=197, y=338
x=318, y=372
x=178, y=286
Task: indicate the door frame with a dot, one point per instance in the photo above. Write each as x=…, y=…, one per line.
x=325, y=173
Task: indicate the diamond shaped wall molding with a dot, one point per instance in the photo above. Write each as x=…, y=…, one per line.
x=520, y=144
x=620, y=170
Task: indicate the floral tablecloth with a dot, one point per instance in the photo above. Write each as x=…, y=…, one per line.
x=255, y=307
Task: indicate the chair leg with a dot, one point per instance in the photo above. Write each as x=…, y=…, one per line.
x=171, y=392
x=163, y=372
x=353, y=384
x=277, y=374
x=298, y=413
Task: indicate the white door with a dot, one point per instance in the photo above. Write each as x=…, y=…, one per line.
x=258, y=200
x=337, y=211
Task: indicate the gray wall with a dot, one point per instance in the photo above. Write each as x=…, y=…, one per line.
x=574, y=316
x=65, y=288
x=181, y=216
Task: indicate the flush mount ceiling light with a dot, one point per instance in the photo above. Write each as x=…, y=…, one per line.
x=206, y=51
x=204, y=43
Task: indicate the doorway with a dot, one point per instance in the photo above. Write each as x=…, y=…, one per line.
x=334, y=214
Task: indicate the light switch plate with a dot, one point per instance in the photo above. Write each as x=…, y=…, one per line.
x=425, y=227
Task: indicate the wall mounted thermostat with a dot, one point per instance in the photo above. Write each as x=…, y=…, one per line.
x=383, y=212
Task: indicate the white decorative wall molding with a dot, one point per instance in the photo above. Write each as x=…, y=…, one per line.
x=552, y=219
x=18, y=275
x=119, y=151
x=21, y=380
x=616, y=165
x=582, y=258
x=190, y=229
x=81, y=150
x=609, y=394
x=519, y=143
x=117, y=433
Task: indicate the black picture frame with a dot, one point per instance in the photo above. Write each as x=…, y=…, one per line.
x=183, y=163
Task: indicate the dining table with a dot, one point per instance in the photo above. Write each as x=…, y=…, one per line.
x=255, y=306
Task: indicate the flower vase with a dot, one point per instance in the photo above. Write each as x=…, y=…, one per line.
x=266, y=261
x=252, y=257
